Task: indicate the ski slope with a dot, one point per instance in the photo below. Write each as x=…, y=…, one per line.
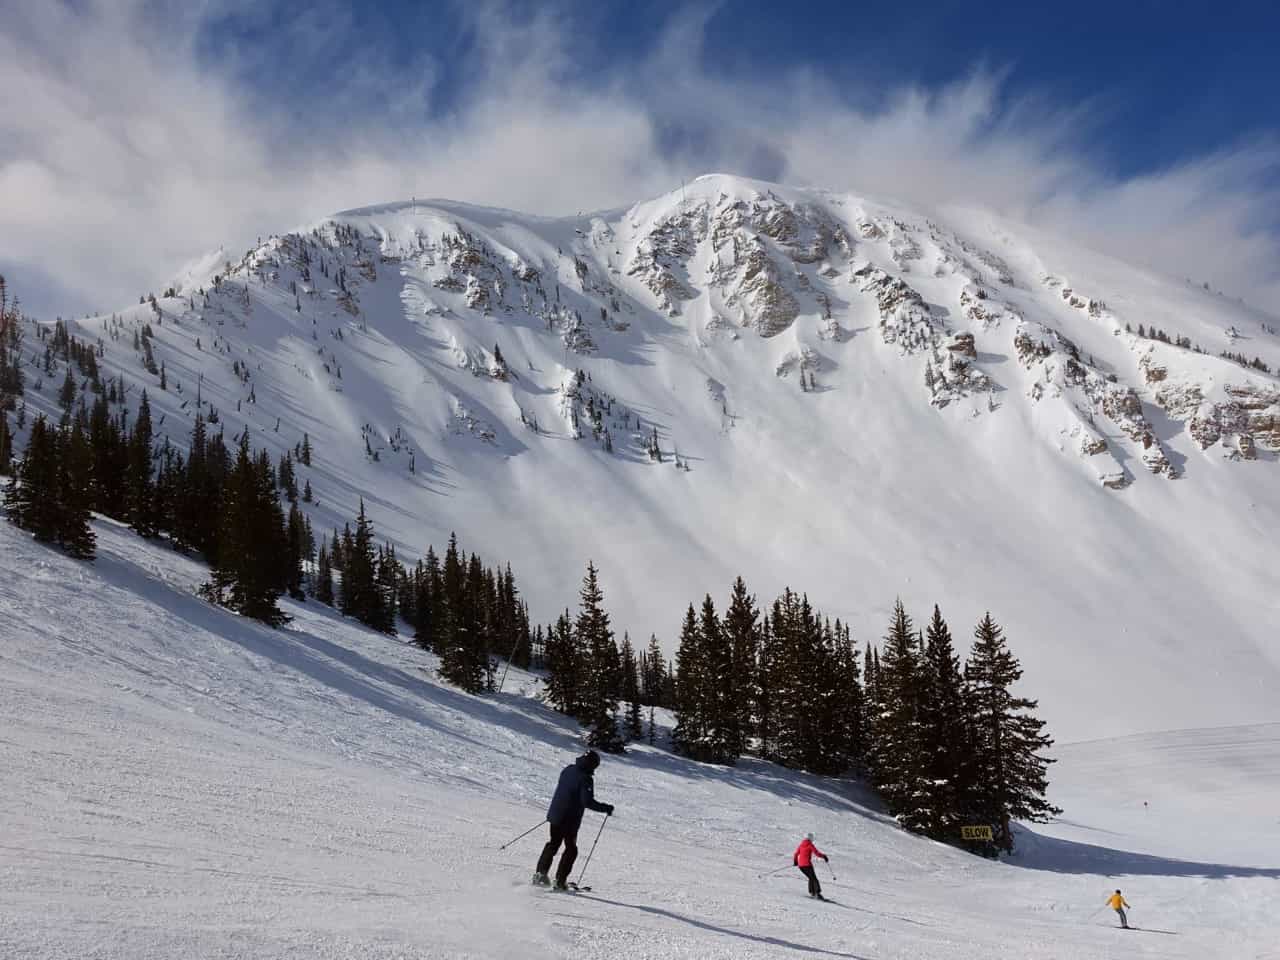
x=178, y=782
x=1035, y=477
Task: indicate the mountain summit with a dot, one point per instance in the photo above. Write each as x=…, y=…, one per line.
x=802, y=387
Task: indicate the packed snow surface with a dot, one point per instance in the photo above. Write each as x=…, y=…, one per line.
x=177, y=782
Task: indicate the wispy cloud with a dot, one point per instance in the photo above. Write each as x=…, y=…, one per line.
x=131, y=146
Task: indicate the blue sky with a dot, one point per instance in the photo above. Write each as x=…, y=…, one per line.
x=1148, y=129
x=1164, y=81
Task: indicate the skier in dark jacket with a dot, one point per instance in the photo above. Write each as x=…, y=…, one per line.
x=575, y=793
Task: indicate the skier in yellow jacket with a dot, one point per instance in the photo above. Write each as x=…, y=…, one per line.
x=1118, y=903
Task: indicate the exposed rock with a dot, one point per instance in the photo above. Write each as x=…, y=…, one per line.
x=1248, y=450
x=904, y=317
x=768, y=305
x=963, y=344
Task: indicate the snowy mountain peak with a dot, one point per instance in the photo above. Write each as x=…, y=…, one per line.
x=856, y=399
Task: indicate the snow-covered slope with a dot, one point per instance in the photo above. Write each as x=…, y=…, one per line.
x=179, y=782
x=981, y=430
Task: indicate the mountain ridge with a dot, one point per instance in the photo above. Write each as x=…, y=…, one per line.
x=954, y=432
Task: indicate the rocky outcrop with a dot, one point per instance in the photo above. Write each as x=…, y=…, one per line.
x=905, y=318
x=1066, y=373
x=767, y=305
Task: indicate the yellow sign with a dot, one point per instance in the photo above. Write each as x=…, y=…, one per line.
x=976, y=833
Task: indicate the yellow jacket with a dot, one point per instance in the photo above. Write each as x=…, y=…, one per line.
x=1116, y=902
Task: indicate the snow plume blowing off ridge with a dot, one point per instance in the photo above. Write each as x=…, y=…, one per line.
x=139, y=120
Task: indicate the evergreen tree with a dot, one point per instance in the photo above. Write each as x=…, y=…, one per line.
x=32, y=497
x=247, y=577
x=360, y=597
x=1010, y=774
x=564, y=666
x=690, y=734
x=297, y=555
x=653, y=677
x=897, y=758
x=631, y=689
x=324, y=577
x=944, y=726
x=75, y=472
x=141, y=490
x=742, y=630
x=595, y=639
x=456, y=642
x=720, y=707
x=6, y=444
x=428, y=602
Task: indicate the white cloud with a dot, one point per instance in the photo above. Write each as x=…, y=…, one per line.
x=125, y=152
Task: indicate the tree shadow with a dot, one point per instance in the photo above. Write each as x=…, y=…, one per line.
x=1039, y=852
x=726, y=931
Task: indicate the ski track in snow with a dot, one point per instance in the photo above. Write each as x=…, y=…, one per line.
x=178, y=782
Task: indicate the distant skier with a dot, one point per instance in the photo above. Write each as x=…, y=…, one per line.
x=803, y=858
x=575, y=793
x=1117, y=903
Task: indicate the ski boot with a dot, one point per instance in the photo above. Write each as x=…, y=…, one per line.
x=541, y=880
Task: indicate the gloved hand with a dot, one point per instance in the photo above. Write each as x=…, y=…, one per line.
x=608, y=809
x=826, y=858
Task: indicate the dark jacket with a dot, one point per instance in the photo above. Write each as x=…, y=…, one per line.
x=574, y=793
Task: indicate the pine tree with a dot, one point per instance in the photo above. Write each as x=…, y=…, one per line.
x=595, y=639
x=429, y=602
x=324, y=577
x=67, y=395
x=897, y=760
x=75, y=471
x=456, y=640
x=653, y=676
x=32, y=497
x=944, y=727
x=631, y=689
x=690, y=734
x=6, y=444
x=742, y=630
x=141, y=490
x=564, y=667
x=720, y=707
x=1010, y=774
x=297, y=555
x=247, y=577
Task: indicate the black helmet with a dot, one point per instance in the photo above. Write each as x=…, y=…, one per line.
x=592, y=758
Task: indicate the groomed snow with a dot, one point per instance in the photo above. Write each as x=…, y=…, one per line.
x=176, y=782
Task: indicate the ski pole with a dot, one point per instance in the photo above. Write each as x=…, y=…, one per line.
x=523, y=835
x=773, y=872
x=829, y=870
x=592, y=850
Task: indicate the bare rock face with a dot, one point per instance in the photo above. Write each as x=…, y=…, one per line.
x=963, y=344
x=1152, y=371
x=904, y=317
x=1250, y=409
x=1260, y=408
x=1247, y=447
x=767, y=304
x=661, y=256
x=1123, y=407
x=1065, y=372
